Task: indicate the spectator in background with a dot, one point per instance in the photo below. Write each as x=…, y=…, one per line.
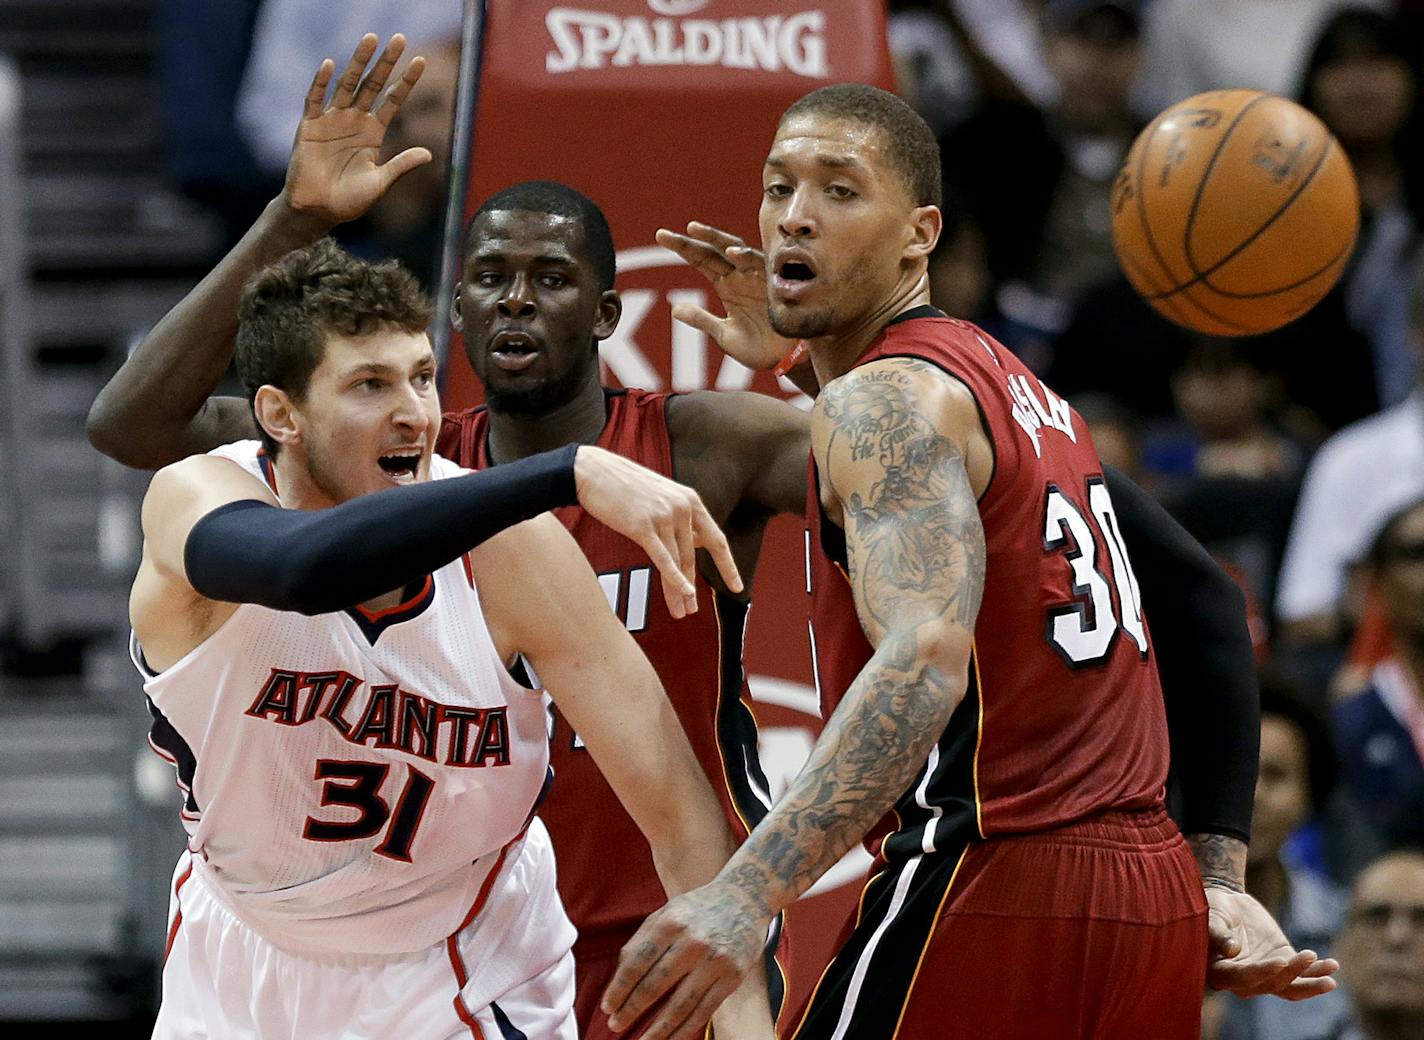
x=1197, y=45
x=1381, y=949
x=202, y=52
x=1227, y=393
x=292, y=36
x=1297, y=773
x=1116, y=432
x=1363, y=82
x=1045, y=214
x=1358, y=478
x=959, y=266
x=1380, y=728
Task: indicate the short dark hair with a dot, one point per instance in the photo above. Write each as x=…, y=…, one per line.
x=1382, y=546
x=1282, y=697
x=912, y=146
x=558, y=200
x=288, y=310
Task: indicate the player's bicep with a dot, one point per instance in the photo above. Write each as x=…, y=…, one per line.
x=914, y=540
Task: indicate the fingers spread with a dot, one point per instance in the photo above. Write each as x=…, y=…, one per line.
x=699, y=318
x=316, y=93
x=391, y=105
x=374, y=83
x=351, y=76
x=399, y=165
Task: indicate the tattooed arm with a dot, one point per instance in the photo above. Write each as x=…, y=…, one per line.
x=890, y=441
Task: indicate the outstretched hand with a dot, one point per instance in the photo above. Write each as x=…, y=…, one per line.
x=738, y=274
x=666, y=518
x=1249, y=955
x=696, y=950
x=335, y=171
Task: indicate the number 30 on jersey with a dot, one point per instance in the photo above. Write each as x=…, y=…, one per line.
x=1082, y=630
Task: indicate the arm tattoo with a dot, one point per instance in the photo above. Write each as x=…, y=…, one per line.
x=869, y=752
x=918, y=548
x=1221, y=860
x=917, y=556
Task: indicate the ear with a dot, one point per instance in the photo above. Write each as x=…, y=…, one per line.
x=926, y=223
x=457, y=320
x=610, y=309
x=278, y=415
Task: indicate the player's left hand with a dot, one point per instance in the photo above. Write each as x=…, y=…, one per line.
x=699, y=946
x=1249, y=955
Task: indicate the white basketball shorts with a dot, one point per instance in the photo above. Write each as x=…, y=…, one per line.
x=509, y=974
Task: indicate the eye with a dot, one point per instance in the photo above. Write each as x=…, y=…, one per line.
x=424, y=379
x=487, y=279
x=369, y=384
x=840, y=191
x=553, y=281
x=777, y=190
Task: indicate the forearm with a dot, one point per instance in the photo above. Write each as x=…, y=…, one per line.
x=1221, y=860
x=324, y=560
x=869, y=752
x=150, y=413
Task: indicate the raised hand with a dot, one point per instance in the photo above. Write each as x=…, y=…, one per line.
x=666, y=518
x=1250, y=955
x=335, y=171
x=738, y=274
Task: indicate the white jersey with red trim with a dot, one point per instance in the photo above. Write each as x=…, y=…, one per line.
x=350, y=779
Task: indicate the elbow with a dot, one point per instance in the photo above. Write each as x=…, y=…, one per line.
x=110, y=434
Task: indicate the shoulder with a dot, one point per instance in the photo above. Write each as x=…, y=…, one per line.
x=722, y=416
x=892, y=391
x=216, y=476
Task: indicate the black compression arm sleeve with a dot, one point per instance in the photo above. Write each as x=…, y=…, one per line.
x=323, y=560
x=1197, y=616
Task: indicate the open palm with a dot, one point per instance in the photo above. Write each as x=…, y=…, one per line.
x=335, y=170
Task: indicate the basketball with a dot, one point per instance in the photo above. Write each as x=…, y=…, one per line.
x=1235, y=212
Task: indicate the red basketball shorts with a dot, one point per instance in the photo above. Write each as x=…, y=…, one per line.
x=1094, y=931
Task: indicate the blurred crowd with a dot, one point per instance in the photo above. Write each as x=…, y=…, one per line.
x=1297, y=456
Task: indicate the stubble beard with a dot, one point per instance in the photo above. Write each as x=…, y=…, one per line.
x=799, y=324
x=532, y=402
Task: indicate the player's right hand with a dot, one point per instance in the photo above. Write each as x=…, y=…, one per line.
x=335, y=173
x=666, y=518
x=738, y=273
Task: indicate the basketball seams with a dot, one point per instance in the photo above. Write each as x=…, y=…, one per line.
x=1201, y=190
x=1203, y=277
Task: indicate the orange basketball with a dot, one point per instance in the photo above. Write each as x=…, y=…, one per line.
x=1234, y=212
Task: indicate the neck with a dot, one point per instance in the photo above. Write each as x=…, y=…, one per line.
x=1391, y=1024
x=835, y=354
x=577, y=421
x=1267, y=881
x=299, y=491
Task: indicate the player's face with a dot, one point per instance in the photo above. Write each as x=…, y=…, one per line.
x=1282, y=787
x=531, y=311
x=835, y=223
x=1381, y=949
x=370, y=414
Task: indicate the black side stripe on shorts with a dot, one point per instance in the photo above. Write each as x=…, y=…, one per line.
x=863, y=992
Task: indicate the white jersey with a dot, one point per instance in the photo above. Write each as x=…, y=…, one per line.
x=350, y=779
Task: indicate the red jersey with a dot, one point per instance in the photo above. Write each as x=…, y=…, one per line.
x=1063, y=717
x=698, y=659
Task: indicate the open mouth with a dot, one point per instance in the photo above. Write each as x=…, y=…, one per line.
x=401, y=466
x=513, y=351
x=793, y=277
